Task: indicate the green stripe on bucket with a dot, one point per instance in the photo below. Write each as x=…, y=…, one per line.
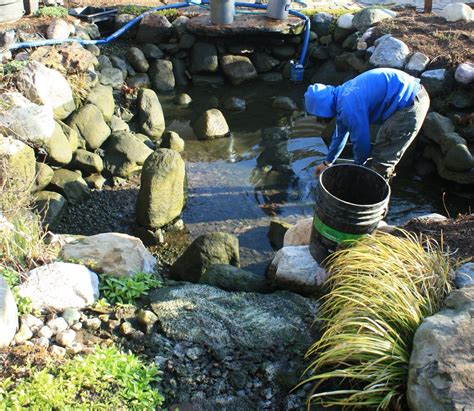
x=332, y=234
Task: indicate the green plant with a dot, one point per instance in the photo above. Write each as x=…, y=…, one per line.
x=11, y=277
x=125, y=290
x=381, y=289
x=137, y=10
x=106, y=379
x=53, y=11
x=23, y=303
x=14, y=66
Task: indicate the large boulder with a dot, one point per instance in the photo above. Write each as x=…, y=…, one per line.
x=456, y=12
x=28, y=121
x=51, y=206
x=151, y=118
x=161, y=196
x=44, y=174
x=46, y=86
x=58, y=148
x=58, y=286
x=161, y=74
x=293, y=268
x=71, y=185
x=238, y=69
x=204, y=58
x=436, y=82
x=321, y=23
x=441, y=372
x=263, y=62
x=204, y=251
x=17, y=165
x=116, y=254
x=231, y=278
x=390, y=52
x=137, y=60
x=369, y=16
x=440, y=129
x=8, y=315
x=89, y=122
x=102, y=97
x=154, y=28
x=231, y=323
x=210, y=125
x=125, y=154
x=459, y=158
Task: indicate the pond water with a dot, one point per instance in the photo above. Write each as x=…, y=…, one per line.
x=265, y=169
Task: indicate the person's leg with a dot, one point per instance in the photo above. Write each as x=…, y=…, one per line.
x=397, y=133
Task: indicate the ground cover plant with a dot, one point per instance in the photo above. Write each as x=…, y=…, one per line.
x=105, y=379
x=381, y=289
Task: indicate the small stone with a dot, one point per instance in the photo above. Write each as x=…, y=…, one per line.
x=33, y=321
x=74, y=348
x=173, y=141
x=113, y=324
x=93, y=323
x=57, y=325
x=76, y=327
x=71, y=315
x=146, y=317
x=211, y=124
x=194, y=353
x=57, y=350
x=126, y=328
x=66, y=338
x=345, y=21
x=234, y=104
x=42, y=342
x=183, y=99
x=417, y=63
x=23, y=334
x=45, y=332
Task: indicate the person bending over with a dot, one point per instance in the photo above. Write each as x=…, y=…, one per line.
x=388, y=97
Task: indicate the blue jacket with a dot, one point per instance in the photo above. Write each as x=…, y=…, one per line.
x=370, y=98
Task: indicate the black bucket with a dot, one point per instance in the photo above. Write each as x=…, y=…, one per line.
x=351, y=201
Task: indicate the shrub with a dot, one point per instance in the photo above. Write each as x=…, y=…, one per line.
x=106, y=379
x=53, y=11
x=125, y=290
x=381, y=289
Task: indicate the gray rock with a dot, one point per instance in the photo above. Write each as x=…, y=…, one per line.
x=8, y=315
x=208, y=80
x=66, y=338
x=96, y=181
x=276, y=232
x=58, y=148
x=464, y=276
x=229, y=323
x=436, y=82
x=51, y=206
x=95, y=50
x=390, y=52
x=137, y=59
x=238, y=69
x=111, y=77
x=87, y=162
x=102, y=97
x=122, y=19
x=204, y=58
x=263, y=62
x=283, y=52
x=152, y=51
x=125, y=154
x=321, y=23
x=93, y=323
x=457, y=12
x=434, y=153
x=71, y=185
x=179, y=25
x=173, y=141
x=464, y=73
x=57, y=351
x=183, y=99
x=440, y=129
x=19, y=160
x=122, y=65
x=417, y=63
x=161, y=196
x=117, y=124
x=151, y=118
x=206, y=250
x=187, y=41
x=45, y=332
x=161, y=74
x=341, y=34
x=89, y=122
x=459, y=158
x=23, y=334
x=462, y=99
x=441, y=364
x=284, y=103
x=369, y=16
x=319, y=53
x=154, y=28
x=235, y=104
x=141, y=80
x=146, y=317
x=71, y=316
x=58, y=29
x=231, y=278
x=180, y=72
x=210, y=125
x=104, y=62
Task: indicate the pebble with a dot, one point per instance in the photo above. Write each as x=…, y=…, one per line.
x=183, y=99
x=74, y=348
x=76, y=326
x=147, y=317
x=194, y=353
x=23, y=334
x=33, y=321
x=45, y=332
x=160, y=361
x=126, y=328
x=113, y=324
x=42, y=342
x=57, y=350
x=57, y=325
x=71, y=316
x=66, y=338
x=93, y=323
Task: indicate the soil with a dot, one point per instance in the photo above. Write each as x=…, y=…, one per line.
x=455, y=235
x=446, y=44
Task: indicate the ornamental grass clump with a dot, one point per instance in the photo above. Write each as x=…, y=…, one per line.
x=380, y=290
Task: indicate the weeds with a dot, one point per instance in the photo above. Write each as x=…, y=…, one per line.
x=381, y=289
x=13, y=66
x=53, y=11
x=106, y=379
x=125, y=290
x=171, y=14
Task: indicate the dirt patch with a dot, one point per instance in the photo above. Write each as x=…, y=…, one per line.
x=446, y=44
x=455, y=235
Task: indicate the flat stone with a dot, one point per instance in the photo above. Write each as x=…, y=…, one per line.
x=245, y=24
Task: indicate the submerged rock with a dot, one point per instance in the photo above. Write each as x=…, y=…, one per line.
x=284, y=103
x=206, y=250
x=59, y=286
x=210, y=125
x=8, y=314
x=276, y=232
x=116, y=254
x=231, y=278
x=441, y=373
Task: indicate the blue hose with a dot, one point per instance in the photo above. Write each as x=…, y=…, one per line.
x=134, y=21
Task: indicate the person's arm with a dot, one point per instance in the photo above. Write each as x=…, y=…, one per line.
x=338, y=142
x=360, y=137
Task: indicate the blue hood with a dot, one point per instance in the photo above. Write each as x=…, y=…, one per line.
x=320, y=100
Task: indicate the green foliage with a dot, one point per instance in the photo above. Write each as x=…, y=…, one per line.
x=106, y=379
x=137, y=10
x=381, y=289
x=23, y=303
x=336, y=13
x=13, y=66
x=125, y=290
x=53, y=11
x=11, y=277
